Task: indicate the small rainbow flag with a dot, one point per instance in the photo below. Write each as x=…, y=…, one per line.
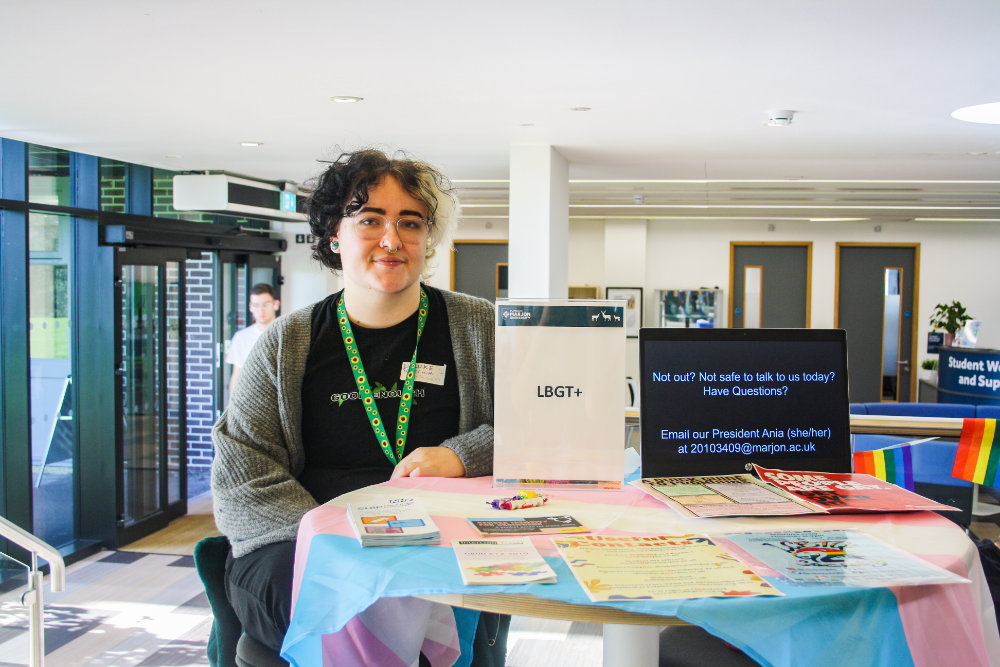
x=978, y=452
x=892, y=464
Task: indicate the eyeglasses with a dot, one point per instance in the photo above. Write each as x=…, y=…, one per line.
x=372, y=226
x=262, y=306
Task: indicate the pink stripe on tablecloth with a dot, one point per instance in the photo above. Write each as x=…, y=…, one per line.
x=948, y=630
x=355, y=644
x=941, y=623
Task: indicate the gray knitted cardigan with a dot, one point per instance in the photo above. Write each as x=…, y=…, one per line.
x=258, y=439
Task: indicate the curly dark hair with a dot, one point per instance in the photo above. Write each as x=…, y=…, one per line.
x=343, y=189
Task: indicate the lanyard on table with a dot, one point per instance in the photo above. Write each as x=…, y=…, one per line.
x=364, y=387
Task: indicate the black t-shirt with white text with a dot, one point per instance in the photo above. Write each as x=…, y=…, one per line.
x=341, y=451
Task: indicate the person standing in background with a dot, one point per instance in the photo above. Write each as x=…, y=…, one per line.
x=264, y=308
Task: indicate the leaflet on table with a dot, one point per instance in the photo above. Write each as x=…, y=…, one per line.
x=395, y=522
x=837, y=558
x=848, y=492
x=657, y=567
x=723, y=495
x=506, y=560
x=558, y=420
x=528, y=525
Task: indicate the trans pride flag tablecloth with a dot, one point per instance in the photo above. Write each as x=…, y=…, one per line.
x=356, y=606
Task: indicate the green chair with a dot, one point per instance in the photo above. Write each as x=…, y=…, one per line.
x=227, y=645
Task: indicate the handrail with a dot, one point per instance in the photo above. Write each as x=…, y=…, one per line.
x=32, y=598
x=949, y=427
x=878, y=424
x=37, y=547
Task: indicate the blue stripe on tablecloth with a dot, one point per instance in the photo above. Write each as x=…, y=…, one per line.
x=808, y=626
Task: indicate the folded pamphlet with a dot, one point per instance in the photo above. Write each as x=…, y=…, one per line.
x=504, y=560
x=528, y=525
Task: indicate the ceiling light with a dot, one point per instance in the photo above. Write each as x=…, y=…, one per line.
x=579, y=108
x=980, y=113
x=252, y=144
x=837, y=219
x=780, y=117
x=346, y=99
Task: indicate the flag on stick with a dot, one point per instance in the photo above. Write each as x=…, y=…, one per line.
x=978, y=453
x=892, y=464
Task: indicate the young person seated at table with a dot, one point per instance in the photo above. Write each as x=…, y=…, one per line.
x=332, y=398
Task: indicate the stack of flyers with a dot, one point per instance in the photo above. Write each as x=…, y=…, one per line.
x=506, y=560
x=395, y=523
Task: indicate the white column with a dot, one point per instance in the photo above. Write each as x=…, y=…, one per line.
x=631, y=645
x=538, y=253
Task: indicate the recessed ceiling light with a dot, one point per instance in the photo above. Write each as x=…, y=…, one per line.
x=346, y=99
x=171, y=157
x=980, y=113
x=252, y=144
x=579, y=108
x=780, y=117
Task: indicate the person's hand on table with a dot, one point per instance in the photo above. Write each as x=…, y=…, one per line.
x=429, y=462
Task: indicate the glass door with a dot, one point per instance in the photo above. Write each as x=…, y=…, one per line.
x=239, y=273
x=151, y=402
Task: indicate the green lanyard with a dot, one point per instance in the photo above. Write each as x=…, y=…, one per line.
x=364, y=387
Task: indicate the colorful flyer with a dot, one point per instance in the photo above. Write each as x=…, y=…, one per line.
x=558, y=419
x=528, y=525
x=657, y=567
x=510, y=560
x=723, y=495
x=848, y=492
x=838, y=558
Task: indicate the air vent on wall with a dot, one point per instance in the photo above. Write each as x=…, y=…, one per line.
x=232, y=195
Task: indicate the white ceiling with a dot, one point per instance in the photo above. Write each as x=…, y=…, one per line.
x=676, y=90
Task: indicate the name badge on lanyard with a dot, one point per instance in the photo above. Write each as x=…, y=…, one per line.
x=427, y=373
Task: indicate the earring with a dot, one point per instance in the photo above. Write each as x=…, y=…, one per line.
x=335, y=245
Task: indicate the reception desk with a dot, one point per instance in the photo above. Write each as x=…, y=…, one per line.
x=968, y=375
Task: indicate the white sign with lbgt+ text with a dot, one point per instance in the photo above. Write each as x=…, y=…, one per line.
x=559, y=410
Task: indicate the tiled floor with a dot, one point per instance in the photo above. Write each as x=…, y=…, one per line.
x=119, y=608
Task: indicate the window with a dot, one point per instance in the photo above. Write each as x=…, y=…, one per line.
x=53, y=436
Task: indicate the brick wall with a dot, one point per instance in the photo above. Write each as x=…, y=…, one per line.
x=201, y=363
x=113, y=186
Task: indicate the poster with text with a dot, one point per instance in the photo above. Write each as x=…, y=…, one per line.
x=559, y=396
x=838, y=558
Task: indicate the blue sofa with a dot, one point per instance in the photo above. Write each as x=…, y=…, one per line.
x=932, y=461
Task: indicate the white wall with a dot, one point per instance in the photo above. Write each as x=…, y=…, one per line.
x=305, y=280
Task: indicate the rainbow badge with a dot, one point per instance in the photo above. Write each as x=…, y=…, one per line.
x=978, y=453
x=892, y=464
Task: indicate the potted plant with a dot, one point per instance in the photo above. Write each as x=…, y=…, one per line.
x=929, y=370
x=950, y=317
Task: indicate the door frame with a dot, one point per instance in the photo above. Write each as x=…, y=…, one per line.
x=808, y=245
x=166, y=511
x=915, y=305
